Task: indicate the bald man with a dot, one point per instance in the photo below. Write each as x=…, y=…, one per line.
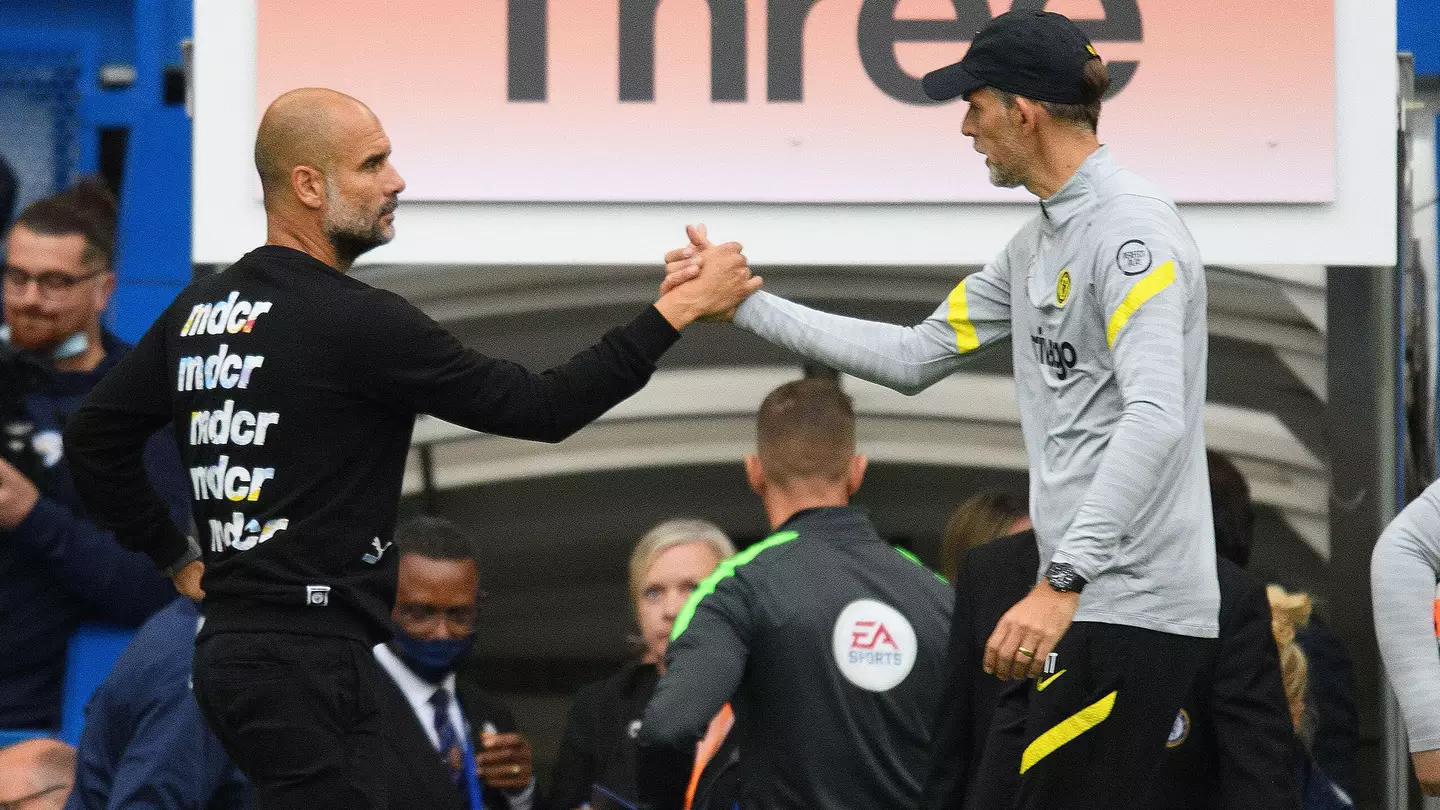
x=36, y=774
x=293, y=389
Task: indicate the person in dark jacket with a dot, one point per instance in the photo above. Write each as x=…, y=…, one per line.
x=1336, y=726
x=828, y=642
x=58, y=569
x=145, y=745
x=446, y=737
x=667, y=564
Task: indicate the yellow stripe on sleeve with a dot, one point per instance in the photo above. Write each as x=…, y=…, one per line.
x=1068, y=729
x=1148, y=288
x=966, y=340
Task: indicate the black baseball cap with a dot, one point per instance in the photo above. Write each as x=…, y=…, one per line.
x=1036, y=54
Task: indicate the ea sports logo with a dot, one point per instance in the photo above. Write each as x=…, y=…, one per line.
x=874, y=645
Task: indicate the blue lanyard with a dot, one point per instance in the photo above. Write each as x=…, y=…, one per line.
x=472, y=780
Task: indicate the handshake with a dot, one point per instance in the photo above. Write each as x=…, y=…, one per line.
x=704, y=281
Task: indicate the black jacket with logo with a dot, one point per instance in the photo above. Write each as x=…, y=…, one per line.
x=599, y=741
x=830, y=645
x=293, y=390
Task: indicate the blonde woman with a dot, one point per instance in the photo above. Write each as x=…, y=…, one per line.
x=1290, y=612
x=598, y=748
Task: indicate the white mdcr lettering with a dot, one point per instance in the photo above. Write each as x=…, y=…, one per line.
x=228, y=316
x=226, y=425
x=223, y=370
x=221, y=481
x=241, y=535
x=874, y=645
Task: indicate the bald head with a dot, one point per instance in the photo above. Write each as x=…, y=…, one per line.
x=32, y=766
x=324, y=162
x=305, y=127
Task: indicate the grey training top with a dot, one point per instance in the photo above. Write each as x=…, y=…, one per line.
x=1104, y=293
x=1403, y=571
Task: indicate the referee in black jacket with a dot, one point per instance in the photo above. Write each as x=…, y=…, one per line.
x=828, y=642
x=292, y=390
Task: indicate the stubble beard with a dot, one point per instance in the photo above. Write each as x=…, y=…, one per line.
x=351, y=230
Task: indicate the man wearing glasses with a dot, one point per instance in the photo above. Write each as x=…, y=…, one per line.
x=57, y=569
x=452, y=747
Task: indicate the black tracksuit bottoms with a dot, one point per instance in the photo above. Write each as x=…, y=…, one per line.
x=1092, y=730
x=299, y=714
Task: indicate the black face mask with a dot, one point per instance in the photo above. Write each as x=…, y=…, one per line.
x=431, y=659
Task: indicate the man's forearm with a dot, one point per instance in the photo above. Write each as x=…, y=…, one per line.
x=906, y=359
x=106, y=454
x=1403, y=571
x=120, y=582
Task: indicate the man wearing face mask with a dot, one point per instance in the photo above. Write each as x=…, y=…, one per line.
x=452, y=747
x=57, y=569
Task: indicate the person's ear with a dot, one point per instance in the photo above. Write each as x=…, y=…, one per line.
x=1027, y=113
x=308, y=183
x=856, y=474
x=755, y=474
x=103, y=291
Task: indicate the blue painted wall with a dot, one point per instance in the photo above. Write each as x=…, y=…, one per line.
x=1419, y=23
x=153, y=260
x=153, y=263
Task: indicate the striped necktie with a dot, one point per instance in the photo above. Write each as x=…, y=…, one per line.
x=451, y=752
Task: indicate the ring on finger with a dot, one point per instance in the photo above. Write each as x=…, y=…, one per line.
x=1026, y=653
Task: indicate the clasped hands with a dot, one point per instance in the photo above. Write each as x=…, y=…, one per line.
x=704, y=281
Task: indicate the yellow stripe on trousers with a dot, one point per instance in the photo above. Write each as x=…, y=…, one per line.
x=966, y=340
x=1068, y=729
x=1149, y=287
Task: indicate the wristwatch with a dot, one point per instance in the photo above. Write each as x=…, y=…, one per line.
x=1064, y=578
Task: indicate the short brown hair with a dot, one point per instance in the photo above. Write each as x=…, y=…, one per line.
x=980, y=519
x=87, y=208
x=1093, y=86
x=806, y=430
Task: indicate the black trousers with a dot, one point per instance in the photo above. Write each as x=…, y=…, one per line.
x=299, y=715
x=1091, y=732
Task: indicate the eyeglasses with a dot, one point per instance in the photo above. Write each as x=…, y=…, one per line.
x=19, y=804
x=51, y=282
x=427, y=616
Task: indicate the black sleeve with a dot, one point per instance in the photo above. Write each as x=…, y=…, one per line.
x=419, y=366
x=1255, y=741
x=945, y=787
x=105, y=446
x=1332, y=694
x=576, y=764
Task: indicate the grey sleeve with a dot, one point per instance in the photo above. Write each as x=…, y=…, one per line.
x=1145, y=325
x=908, y=359
x=1403, y=570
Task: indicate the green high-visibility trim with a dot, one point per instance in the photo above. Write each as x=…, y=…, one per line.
x=725, y=569
x=907, y=554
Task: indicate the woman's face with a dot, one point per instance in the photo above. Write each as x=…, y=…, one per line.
x=674, y=574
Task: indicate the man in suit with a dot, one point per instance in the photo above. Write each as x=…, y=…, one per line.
x=435, y=722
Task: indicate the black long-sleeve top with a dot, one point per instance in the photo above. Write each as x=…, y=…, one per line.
x=292, y=390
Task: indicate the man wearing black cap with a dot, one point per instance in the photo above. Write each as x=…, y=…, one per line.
x=1103, y=297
